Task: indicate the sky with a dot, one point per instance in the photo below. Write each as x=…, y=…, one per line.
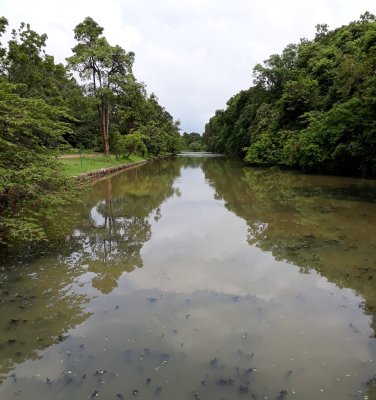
x=193, y=54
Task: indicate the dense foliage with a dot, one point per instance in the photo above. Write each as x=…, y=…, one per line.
x=192, y=142
x=43, y=109
x=313, y=107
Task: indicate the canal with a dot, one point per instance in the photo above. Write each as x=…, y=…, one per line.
x=198, y=278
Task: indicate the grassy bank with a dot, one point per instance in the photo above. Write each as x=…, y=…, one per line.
x=72, y=166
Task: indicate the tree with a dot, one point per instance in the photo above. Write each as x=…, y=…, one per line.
x=3, y=27
x=26, y=62
x=32, y=188
x=192, y=141
x=131, y=106
x=129, y=144
x=25, y=59
x=106, y=67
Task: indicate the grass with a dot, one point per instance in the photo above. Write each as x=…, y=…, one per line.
x=72, y=166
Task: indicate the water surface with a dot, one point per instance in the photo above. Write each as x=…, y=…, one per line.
x=198, y=278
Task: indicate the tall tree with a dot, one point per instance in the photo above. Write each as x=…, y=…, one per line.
x=105, y=67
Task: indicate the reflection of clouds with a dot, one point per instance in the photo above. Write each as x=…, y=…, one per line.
x=97, y=217
x=256, y=230
x=235, y=270
x=205, y=257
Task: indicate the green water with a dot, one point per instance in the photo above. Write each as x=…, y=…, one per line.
x=198, y=278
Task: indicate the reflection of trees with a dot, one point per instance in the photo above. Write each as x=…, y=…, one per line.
x=311, y=221
x=37, y=307
x=118, y=225
x=195, y=160
x=41, y=298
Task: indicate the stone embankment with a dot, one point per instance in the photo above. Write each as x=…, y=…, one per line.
x=99, y=173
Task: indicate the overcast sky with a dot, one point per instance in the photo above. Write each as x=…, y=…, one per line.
x=193, y=54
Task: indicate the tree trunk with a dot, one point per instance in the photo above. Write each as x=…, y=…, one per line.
x=104, y=124
x=107, y=124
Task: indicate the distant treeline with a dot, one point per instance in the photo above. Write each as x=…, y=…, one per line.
x=313, y=107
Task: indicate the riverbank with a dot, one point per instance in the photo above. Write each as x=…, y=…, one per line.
x=74, y=167
x=94, y=175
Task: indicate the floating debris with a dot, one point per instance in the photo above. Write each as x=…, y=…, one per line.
x=95, y=394
x=187, y=316
x=164, y=357
x=100, y=372
x=158, y=391
x=152, y=299
x=282, y=395
x=120, y=396
x=250, y=370
x=214, y=362
x=135, y=392
x=225, y=382
x=148, y=380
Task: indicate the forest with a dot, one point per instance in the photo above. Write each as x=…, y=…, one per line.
x=93, y=102
x=311, y=108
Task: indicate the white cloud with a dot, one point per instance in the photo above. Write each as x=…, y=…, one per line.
x=194, y=54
